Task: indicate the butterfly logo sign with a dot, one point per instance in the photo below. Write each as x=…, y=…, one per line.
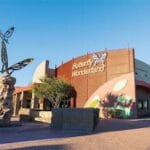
x=99, y=59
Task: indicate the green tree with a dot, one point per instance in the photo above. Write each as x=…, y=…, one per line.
x=55, y=90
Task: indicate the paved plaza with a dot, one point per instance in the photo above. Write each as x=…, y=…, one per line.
x=109, y=135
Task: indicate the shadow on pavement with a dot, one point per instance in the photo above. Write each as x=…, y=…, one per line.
x=47, y=147
x=32, y=131
x=39, y=131
x=121, y=124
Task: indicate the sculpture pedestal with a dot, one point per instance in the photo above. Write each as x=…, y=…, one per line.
x=6, y=96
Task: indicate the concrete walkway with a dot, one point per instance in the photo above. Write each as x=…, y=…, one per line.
x=109, y=135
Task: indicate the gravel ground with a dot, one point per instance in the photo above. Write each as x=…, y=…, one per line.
x=109, y=135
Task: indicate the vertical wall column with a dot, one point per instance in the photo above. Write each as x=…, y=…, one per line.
x=34, y=101
x=22, y=98
x=15, y=105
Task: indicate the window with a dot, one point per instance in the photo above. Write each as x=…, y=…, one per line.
x=146, y=104
x=140, y=105
x=143, y=104
x=28, y=103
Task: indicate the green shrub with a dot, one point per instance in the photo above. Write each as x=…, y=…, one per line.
x=113, y=113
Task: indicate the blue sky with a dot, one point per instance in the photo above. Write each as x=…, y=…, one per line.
x=57, y=30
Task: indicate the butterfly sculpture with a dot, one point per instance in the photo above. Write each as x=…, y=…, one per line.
x=4, y=58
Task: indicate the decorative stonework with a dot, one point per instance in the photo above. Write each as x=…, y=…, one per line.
x=6, y=90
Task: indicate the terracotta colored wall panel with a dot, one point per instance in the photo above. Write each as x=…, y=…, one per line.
x=94, y=82
x=131, y=60
x=64, y=71
x=118, y=69
x=118, y=52
x=80, y=84
x=112, y=61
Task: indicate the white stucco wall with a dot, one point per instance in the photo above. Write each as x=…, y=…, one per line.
x=40, y=72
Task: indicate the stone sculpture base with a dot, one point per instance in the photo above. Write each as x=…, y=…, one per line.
x=6, y=95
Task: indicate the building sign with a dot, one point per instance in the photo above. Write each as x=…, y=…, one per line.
x=92, y=65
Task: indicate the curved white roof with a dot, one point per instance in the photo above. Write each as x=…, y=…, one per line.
x=40, y=72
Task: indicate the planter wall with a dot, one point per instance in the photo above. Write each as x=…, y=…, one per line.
x=75, y=119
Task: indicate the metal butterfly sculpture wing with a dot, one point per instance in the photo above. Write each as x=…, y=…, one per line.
x=4, y=58
x=19, y=65
x=7, y=34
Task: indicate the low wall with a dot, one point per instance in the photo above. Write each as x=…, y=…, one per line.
x=75, y=119
x=42, y=116
x=24, y=114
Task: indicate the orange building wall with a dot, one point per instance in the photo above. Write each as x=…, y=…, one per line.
x=118, y=62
